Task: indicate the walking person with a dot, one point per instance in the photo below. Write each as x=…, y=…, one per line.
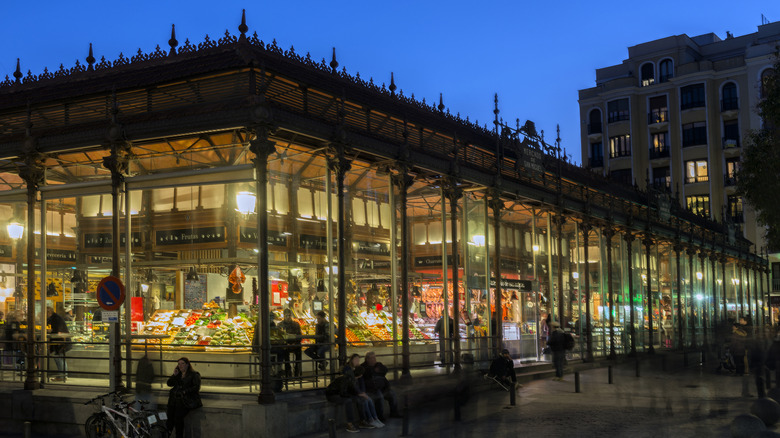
x=183, y=397
x=444, y=342
x=557, y=344
x=59, y=343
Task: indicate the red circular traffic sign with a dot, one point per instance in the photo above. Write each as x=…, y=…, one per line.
x=110, y=293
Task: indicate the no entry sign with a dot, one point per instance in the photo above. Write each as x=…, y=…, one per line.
x=110, y=293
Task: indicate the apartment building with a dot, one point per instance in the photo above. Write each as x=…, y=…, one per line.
x=675, y=115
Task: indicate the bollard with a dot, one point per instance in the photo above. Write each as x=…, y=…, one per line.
x=685, y=359
x=609, y=374
x=331, y=428
x=577, y=381
x=768, y=379
x=27, y=429
x=663, y=363
x=637, y=367
x=457, y=409
x=513, y=394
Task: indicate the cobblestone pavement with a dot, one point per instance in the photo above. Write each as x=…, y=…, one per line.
x=694, y=402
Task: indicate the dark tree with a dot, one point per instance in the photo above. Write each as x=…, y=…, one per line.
x=758, y=178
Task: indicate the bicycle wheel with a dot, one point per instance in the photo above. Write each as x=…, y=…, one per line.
x=158, y=431
x=99, y=426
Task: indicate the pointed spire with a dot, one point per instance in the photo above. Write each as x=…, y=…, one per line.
x=173, y=42
x=392, y=86
x=18, y=72
x=333, y=63
x=243, y=28
x=90, y=59
x=441, y=102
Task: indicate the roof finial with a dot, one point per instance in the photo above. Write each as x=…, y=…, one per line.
x=392, y=86
x=18, y=72
x=495, y=107
x=90, y=58
x=243, y=28
x=441, y=102
x=173, y=42
x=333, y=63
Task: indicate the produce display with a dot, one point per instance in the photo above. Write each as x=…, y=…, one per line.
x=210, y=327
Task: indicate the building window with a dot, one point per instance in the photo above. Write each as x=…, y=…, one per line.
x=659, y=112
x=692, y=96
x=622, y=176
x=659, y=145
x=699, y=204
x=662, y=178
x=730, y=100
x=734, y=209
x=696, y=171
x=694, y=134
x=617, y=110
x=766, y=76
x=594, y=122
x=730, y=134
x=596, y=155
x=648, y=76
x=732, y=168
x=620, y=146
x=665, y=70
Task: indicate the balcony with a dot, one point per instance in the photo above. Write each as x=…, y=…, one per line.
x=729, y=180
x=729, y=104
x=660, y=152
x=775, y=284
x=596, y=162
x=657, y=116
x=737, y=218
x=594, y=128
x=696, y=179
x=730, y=143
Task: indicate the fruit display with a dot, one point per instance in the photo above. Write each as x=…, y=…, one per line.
x=207, y=328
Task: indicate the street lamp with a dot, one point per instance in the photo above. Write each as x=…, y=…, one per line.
x=245, y=202
x=15, y=230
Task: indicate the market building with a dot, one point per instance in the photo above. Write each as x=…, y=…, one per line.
x=225, y=182
x=675, y=115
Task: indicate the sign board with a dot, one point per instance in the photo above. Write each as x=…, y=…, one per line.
x=110, y=316
x=110, y=293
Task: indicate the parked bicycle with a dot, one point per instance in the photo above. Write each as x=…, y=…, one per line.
x=123, y=420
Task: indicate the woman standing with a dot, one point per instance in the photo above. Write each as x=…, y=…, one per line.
x=184, y=395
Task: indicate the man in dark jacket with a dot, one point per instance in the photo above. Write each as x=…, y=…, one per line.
x=59, y=342
x=293, y=332
x=439, y=330
x=557, y=344
x=378, y=387
x=322, y=335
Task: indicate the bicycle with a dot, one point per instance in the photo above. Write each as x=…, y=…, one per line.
x=123, y=420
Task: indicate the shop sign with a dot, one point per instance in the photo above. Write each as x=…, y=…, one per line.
x=106, y=240
x=529, y=159
x=58, y=255
x=6, y=250
x=275, y=238
x=520, y=285
x=374, y=248
x=372, y=264
x=308, y=241
x=190, y=235
x=101, y=259
x=425, y=262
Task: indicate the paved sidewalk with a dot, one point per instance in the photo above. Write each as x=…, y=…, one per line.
x=692, y=402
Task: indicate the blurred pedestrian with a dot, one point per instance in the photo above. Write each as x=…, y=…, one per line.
x=557, y=344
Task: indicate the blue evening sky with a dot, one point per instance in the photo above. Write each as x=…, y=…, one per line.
x=535, y=55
